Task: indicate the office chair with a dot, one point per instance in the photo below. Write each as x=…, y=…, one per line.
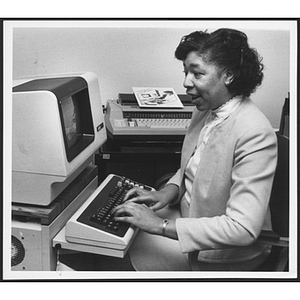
x=285, y=117
x=279, y=206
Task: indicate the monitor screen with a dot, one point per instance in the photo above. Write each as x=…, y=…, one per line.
x=77, y=122
x=71, y=121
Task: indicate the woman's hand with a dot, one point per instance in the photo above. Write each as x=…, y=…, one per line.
x=139, y=215
x=154, y=199
x=140, y=206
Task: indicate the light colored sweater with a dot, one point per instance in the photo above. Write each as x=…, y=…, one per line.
x=232, y=186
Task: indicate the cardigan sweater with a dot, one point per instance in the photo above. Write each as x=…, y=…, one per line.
x=231, y=189
x=213, y=119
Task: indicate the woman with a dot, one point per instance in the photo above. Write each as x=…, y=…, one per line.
x=217, y=202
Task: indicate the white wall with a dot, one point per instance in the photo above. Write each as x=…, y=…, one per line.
x=141, y=53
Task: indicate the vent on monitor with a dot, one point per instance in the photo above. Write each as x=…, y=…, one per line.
x=17, y=251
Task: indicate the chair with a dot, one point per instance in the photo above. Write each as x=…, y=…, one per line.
x=279, y=206
x=285, y=117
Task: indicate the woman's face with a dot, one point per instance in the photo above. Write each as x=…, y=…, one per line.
x=205, y=83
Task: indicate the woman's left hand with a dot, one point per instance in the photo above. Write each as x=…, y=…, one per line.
x=139, y=215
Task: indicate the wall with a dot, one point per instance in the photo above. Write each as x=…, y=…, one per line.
x=141, y=53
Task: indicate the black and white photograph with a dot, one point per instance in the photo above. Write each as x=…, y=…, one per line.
x=97, y=186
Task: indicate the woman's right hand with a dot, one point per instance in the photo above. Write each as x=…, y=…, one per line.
x=154, y=199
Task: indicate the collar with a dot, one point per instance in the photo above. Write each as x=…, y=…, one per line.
x=227, y=108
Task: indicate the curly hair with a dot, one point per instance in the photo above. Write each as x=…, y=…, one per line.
x=228, y=49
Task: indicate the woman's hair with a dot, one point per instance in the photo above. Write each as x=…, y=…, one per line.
x=228, y=49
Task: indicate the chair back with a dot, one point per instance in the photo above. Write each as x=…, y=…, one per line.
x=285, y=117
x=279, y=200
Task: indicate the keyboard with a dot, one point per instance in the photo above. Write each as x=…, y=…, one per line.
x=131, y=121
x=163, y=123
x=93, y=223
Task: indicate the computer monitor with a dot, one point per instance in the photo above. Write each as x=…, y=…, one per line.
x=58, y=124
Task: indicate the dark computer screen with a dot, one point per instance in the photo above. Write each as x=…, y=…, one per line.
x=77, y=123
x=71, y=117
